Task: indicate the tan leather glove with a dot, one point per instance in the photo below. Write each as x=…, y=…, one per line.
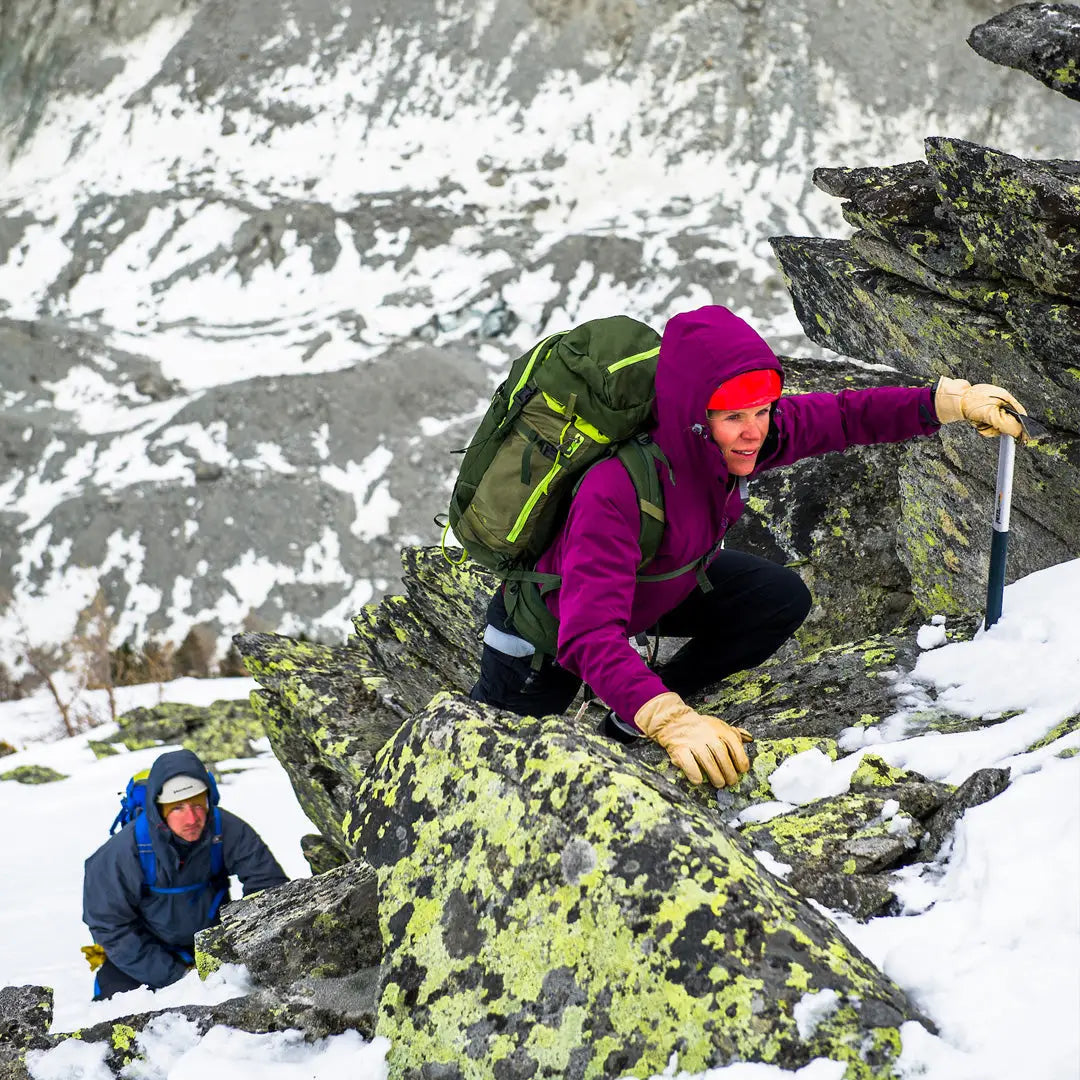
x=980, y=405
x=695, y=743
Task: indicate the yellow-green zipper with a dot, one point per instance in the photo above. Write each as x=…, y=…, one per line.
x=528, y=369
x=620, y=364
x=541, y=490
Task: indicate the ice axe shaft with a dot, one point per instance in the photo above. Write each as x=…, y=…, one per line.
x=999, y=537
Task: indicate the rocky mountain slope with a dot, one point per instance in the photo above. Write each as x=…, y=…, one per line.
x=261, y=262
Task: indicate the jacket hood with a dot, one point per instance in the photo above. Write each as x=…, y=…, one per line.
x=175, y=763
x=700, y=350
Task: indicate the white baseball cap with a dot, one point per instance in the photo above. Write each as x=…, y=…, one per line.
x=178, y=788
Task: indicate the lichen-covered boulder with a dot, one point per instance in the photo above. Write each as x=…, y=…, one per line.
x=216, y=732
x=550, y=907
x=327, y=709
x=312, y=928
x=321, y=856
x=325, y=717
x=1041, y=39
x=428, y=639
x=33, y=774
x=25, y=1018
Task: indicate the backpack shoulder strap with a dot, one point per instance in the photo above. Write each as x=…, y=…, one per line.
x=639, y=457
x=217, y=848
x=147, y=858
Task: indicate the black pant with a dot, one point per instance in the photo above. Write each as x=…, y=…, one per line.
x=753, y=608
x=111, y=980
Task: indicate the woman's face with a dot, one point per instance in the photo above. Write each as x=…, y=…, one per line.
x=739, y=433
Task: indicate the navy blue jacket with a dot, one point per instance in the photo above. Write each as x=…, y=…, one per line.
x=138, y=929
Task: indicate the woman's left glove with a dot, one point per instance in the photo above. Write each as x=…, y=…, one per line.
x=988, y=408
x=700, y=745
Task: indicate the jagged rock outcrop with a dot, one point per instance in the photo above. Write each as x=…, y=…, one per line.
x=964, y=264
x=328, y=709
x=1041, y=39
x=967, y=263
x=313, y=931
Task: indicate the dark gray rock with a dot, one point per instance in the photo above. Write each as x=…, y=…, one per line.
x=323, y=927
x=320, y=855
x=25, y=1017
x=978, y=788
x=947, y=484
x=1041, y=39
x=1016, y=217
x=864, y=896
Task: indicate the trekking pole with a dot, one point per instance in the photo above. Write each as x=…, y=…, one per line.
x=999, y=537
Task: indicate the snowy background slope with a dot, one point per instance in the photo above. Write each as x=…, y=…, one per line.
x=988, y=944
x=261, y=262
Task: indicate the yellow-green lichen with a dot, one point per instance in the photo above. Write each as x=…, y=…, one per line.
x=205, y=964
x=874, y=771
x=123, y=1037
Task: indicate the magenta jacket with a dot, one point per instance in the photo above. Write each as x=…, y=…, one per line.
x=600, y=604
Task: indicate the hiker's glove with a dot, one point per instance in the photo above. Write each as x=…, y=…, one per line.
x=989, y=409
x=697, y=744
x=95, y=955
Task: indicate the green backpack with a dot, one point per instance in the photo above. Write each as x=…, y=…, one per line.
x=575, y=399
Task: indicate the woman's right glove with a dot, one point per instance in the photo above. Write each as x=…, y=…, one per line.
x=988, y=408
x=695, y=743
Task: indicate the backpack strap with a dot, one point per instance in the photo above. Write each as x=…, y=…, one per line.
x=147, y=858
x=639, y=457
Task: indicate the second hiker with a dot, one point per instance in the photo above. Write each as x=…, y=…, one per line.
x=150, y=888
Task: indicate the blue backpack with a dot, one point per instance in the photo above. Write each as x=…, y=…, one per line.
x=133, y=808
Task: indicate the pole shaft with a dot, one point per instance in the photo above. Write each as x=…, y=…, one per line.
x=999, y=546
x=999, y=537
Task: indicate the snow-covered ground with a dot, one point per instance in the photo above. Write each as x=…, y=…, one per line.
x=988, y=944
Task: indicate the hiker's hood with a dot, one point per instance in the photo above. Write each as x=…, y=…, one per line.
x=175, y=763
x=700, y=350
